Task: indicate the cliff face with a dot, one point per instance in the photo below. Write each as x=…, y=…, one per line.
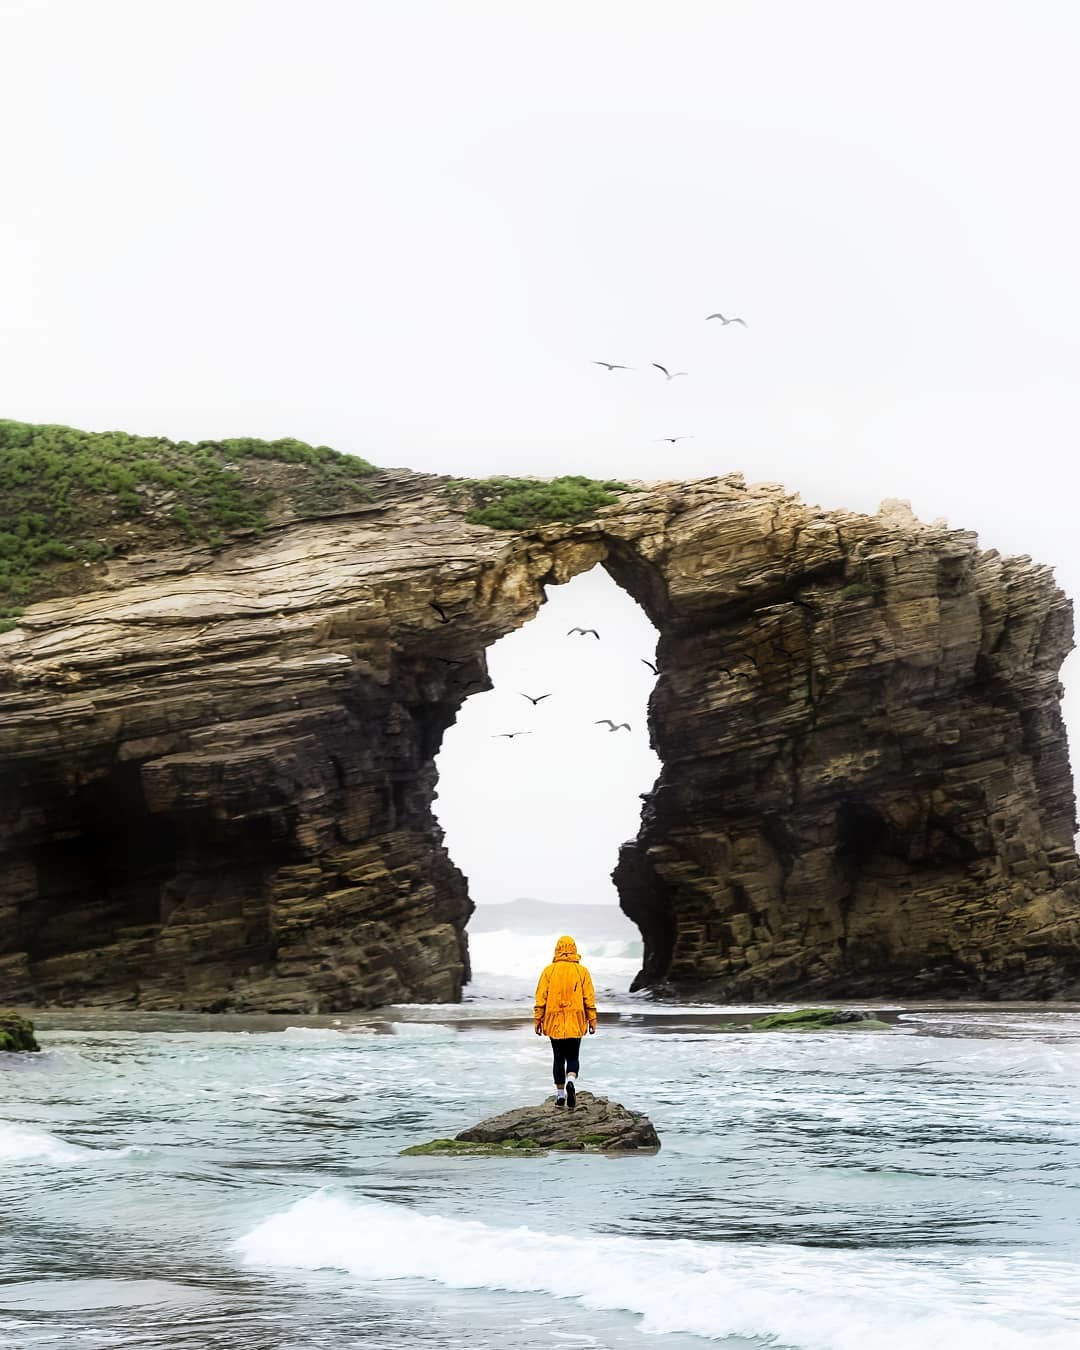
x=216, y=774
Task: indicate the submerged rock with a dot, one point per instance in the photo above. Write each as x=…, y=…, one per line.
x=596, y=1125
x=816, y=1019
x=16, y=1033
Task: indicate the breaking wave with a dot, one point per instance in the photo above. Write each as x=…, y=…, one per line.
x=19, y=1143
x=505, y=958
x=805, y=1298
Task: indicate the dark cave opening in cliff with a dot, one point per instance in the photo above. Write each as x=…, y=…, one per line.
x=114, y=867
x=536, y=798
x=104, y=869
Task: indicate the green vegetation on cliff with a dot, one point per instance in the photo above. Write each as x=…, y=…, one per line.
x=521, y=503
x=70, y=497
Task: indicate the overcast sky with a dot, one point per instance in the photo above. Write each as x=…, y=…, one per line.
x=406, y=228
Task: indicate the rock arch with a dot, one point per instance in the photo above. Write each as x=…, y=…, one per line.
x=865, y=784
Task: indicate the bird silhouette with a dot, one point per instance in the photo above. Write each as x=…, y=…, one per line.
x=584, y=632
x=534, y=701
x=672, y=439
x=439, y=611
x=609, y=366
x=611, y=726
x=669, y=374
x=725, y=322
x=448, y=661
x=509, y=735
x=649, y=664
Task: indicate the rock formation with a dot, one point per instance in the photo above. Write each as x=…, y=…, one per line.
x=16, y=1033
x=217, y=770
x=595, y=1125
x=819, y=1019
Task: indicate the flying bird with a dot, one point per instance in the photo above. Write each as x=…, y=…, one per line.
x=649, y=664
x=448, y=661
x=534, y=701
x=439, y=611
x=725, y=322
x=609, y=366
x=611, y=726
x=584, y=632
x=672, y=439
x=509, y=735
x=670, y=374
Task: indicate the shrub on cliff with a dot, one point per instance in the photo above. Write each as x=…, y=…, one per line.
x=518, y=503
x=69, y=497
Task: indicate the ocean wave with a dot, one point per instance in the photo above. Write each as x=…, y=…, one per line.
x=805, y=1298
x=19, y=1143
x=523, y=956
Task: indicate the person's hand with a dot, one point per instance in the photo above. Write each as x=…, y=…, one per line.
x=592, y=1029
x=539, y=1028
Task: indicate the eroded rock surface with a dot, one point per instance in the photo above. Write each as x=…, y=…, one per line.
x=595, y=1125
x=216, y=774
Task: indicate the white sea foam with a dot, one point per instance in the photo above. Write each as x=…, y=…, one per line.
x=807, y=1298
x=20, y=1143
x=424, y=1031
x=521, y=956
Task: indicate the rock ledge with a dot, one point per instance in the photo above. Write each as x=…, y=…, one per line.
x=596, y=1125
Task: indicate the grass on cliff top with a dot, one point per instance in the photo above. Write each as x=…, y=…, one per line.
x=521, y=503
x=70, y=497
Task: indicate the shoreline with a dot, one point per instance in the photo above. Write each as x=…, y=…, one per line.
x=465, y=1017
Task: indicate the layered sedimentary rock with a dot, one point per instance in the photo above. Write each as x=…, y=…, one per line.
x=593, y=1125
x=216, y=774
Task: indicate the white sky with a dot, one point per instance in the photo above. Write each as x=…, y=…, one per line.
x=543, y=814
x=406, y=227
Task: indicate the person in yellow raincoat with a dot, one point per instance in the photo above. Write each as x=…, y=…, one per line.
x=565, y=1006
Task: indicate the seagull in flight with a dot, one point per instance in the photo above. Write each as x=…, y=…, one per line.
x=670, y=374
x=584, y=632
x=609, y=366
x=672, y=439
x=611, y=726
x=653, y=668
x=725, y=322
x=509, y=735
x=439, y=611
x=534, y=701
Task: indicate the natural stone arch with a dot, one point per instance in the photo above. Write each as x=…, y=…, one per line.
x=865, y=783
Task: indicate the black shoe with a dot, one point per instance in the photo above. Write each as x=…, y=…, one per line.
x=560, y=1101
x=571, y=1094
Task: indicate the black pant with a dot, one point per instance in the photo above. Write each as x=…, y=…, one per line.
x=565, y=1054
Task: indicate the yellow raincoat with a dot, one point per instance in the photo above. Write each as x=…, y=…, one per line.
x=565, y=1001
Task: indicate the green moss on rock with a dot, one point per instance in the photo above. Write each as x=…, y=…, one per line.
x=816, y=1019
x=455, y=1148
x=16, y=1033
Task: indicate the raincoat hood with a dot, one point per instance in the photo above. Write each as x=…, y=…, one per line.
x=566, y=949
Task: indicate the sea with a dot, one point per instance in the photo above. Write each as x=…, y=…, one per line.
x=221, y=1182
